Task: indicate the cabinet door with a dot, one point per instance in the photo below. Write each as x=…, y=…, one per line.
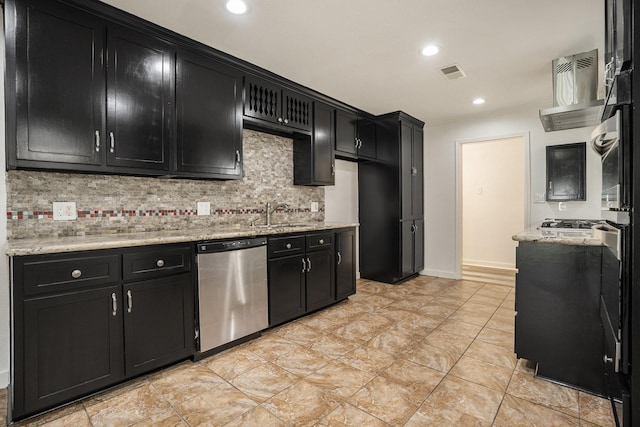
x=262, y=100
x=406, y=169
x=286, y=289
x=418, y=245
x=296, y=111
x=566, y=172
x=72, y=346
x=407, y=253
x=346, y=133
x=59, y=85
x=367, y=138
x=209, y=106
x=158, y=322
x=323, y=135
x=320, y=279
x=140, y=88
x=345, y=264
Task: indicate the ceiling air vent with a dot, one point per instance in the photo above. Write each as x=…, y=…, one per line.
x=453, y=72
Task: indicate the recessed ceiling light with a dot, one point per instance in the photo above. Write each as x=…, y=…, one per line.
x=430, y=50
x=237, y=7
x=479, y=101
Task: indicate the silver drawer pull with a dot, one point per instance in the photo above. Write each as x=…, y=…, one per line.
x=114, y=304
x=288, y=245
x=112, y=142
x=309, y=266
x=76, y=274
x=304, y=265
x=321, y=241
x=97, y=141
x=339, y=258
x=129, y=301
x=160, y=263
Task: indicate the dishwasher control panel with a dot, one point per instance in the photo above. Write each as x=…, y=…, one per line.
x=230, y=245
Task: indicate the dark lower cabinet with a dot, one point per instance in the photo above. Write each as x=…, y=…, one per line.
x=78, y=326
x=558, y=313
x=345, y=263
x=158, y=322
x=287, y=293
x=302, y=277
x=72, y=346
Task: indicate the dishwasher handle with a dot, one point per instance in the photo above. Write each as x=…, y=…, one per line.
x=213, y=246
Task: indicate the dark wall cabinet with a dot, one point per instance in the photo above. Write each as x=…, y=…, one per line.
x=209, y=106
x=269, y=104
x=313, y=159
x=566, y=172
x=89, y=95
x=391, y=201
x=355, y=136
x=309, y=271
x=558, y=312
x=84, y=321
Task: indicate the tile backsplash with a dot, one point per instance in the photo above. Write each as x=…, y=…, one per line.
x=123, y=204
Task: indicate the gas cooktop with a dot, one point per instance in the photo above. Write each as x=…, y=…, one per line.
x=575, y=224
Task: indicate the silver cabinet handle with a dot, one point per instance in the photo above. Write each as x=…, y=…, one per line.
x=97, y=141
x=114, y=304
x=415, y=230
x=356, y=141
x=112, y=142
x=333, y=170
x=304, y=265
x=551, y=185
x=280, y=120
x=309, y=265
x=76, y=274
x=321, y=241
x=129, y=301
x=607, y=359
x=160, y=263
x=288, y=246
x=286, y=121
x=237, y=156
x=339, y=258
x=414, y=171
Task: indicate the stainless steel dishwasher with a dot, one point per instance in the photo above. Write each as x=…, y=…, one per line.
x=232, y=291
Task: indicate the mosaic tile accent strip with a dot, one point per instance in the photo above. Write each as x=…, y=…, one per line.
x=109, y=204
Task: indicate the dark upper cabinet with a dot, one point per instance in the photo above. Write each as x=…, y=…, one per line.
x=313, y=160
x=90, y=95
x=355, y=136
x=566, y=172
x=59, y=85
x=209, y=118
x=275, y=107
x=411, y=170
x=140, y=91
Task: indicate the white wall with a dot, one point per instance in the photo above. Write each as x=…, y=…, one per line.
x=441, y=209
x=341, y=199
x=4, y=265
x=493, y=187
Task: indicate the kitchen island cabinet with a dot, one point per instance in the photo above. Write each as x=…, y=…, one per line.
x=557, y=303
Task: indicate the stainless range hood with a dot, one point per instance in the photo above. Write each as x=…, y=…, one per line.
x=575, y=87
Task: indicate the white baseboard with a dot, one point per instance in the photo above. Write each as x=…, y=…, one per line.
x=4, y=379
x=439, y=273
x=496, y=276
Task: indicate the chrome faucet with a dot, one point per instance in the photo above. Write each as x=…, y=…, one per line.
x=270, y=211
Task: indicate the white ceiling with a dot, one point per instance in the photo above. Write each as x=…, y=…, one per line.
x=366, y=52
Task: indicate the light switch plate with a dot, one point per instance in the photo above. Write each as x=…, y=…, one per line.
x=538, y=198
x=204, y=208
x=63, y=211
x=314, y=206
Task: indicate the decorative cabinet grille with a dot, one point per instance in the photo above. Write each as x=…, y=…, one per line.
x=269, y=102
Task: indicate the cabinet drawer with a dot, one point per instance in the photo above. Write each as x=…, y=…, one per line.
x=58, y=273
x=284, y=246
x=318, y=241
x=156, y=261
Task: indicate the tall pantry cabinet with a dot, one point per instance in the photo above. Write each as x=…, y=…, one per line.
x=391, y=204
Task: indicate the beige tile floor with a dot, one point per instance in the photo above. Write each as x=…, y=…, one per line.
x=428, y=352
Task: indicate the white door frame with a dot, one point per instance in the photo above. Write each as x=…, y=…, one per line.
x=527, y=187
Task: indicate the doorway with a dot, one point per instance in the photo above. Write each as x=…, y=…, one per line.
x=493, y=205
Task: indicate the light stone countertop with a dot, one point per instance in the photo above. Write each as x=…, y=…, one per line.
x=535, y=234
x=23, y=247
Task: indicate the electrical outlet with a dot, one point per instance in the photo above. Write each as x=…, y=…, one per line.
x=314, y=206
x=539, y=198
x=64, y=211
x=204, y=208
